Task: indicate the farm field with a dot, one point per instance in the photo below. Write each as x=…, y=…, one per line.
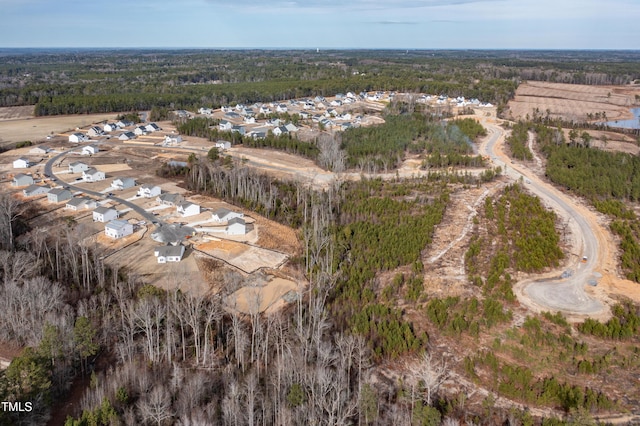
x=572, y=102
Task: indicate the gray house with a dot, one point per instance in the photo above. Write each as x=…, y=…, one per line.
x=21, y=180
x=34, y=190
x=58, y=195
x=123, y=183
x=77, y=167
x=170, y=199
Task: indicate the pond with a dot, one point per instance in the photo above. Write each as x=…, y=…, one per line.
x=633, y=123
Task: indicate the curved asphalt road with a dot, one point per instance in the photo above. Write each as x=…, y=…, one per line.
x=556, y=294
x=48, y=171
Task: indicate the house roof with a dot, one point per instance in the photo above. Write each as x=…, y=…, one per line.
x=172, y=198
x=91, y=171
x=23, y=159
x=77, y=201
x=93, y=147
x=149, y=186
x=186, y=204
x=77, y=163
x=222, y=212
x=59, y=191
x=170, y=251
x=237, y=220
x=103, y=209
x=21, y=176
x=116, y=224
x=32, y=188
x=125, y=180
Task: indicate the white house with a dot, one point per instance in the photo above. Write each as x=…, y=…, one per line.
x=205, y=111
x=110, y=127
x=291, y=127
x=169, y=199
x=223, y=145
x=22, y=180
x=93, y=175
x=95, y=131
x=223, y=215
x=126, y=136
x=152, y=127
x=21, y=163
x=172, y=139
x=40, y=150
x=104, y=214
x=34, y=190
x=90, y=150
x=281, y=108
x=265, y=110
x=149, y=191
x=187, y=208
x=77, y=203
x=280, y=131
x=123, y=183
x=118, y=229
x=140, y=131
x=77, y=137
x=124, y=123
x=225, y=125
x=169, y=253
x=238, y=129
x=58, y=195
x=250, y=120
x=77, y=167
x=236, y=226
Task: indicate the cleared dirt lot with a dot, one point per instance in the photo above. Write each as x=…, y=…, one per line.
x=267, y=298
x=573, y=101
x=18, y=124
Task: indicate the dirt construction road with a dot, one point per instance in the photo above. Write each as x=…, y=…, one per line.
x=557, y=291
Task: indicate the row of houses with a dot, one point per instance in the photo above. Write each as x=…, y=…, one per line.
x=96, y=131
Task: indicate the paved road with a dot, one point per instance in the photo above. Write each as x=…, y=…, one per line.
x=556, y=294
x=48, y=171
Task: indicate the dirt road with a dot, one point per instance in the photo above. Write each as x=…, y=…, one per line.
x=555, y=291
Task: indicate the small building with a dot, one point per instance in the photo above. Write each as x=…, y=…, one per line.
x=110, y=127
x=90, y=150
x=223, y=145
x=205, y=111
x=118, y=229
x=224, y=215
x=123, y=183
x=281, y=108
x=225, y=125
x=93, y=175
x=169, y=253
x=95, y=131
x=149, y=191
x=172, y=139
x=22, y=180
x=187, y=208
x=124, y=123
x=127, y=136
x=21, y=163
x=170, y=199
x=236, y=226
x=238, y=129
x=77, y=203
x=152, y=127
x=78, y=167
x=291, y=127
x=77, y=137
x=104, y=214
x=40, y=150
x=34, y=190
x=58, y=195
x=140, y=131
x=280, y=131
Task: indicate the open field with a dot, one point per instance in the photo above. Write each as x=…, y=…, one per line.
x=573, y=101
x=16, y=125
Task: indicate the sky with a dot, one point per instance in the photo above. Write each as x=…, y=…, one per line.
x=311, y=24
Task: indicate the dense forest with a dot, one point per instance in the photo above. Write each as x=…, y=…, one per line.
x=61, y=82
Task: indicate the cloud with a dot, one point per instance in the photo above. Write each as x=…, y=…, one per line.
x=396, y=23
x=353, y=4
